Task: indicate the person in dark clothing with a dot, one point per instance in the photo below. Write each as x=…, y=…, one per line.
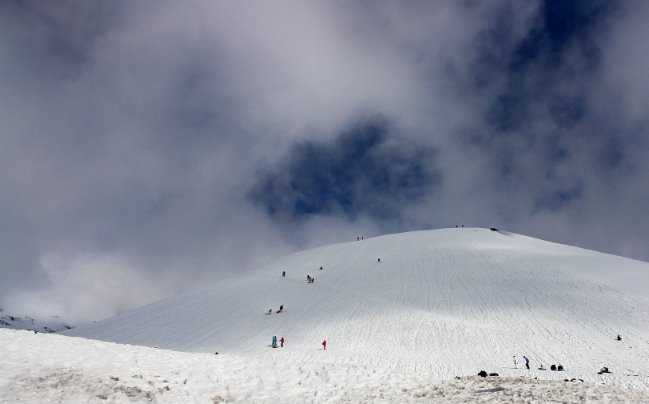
x=281, y=307
x=281, y=342
x=324, y=344
x=283, y=274
x=619, y=338
x=527, y=361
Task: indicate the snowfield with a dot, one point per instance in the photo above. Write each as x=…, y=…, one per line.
x=49, y=368
x=440, y=304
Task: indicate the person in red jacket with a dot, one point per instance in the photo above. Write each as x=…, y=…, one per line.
x=324, y=344
x=281, y=342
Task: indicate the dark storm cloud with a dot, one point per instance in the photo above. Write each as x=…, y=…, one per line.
x=364, y=171
x=147, y=148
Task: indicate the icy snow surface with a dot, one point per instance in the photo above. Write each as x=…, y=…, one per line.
x=439, y=304
x=50, y=368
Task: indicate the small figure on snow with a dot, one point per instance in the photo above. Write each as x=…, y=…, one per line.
x=274, y=343
x=515, y=363
x=619, y=338
x=324, y=344
x=281, y=342
x=283, y=274
x=281, y=308
x=541, y=367
x=379, y=260
x=527, y=361
x=321, y=268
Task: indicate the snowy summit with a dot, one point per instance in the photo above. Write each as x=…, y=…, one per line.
x=399, y=311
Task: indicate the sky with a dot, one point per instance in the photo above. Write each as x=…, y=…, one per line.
x=150, y=148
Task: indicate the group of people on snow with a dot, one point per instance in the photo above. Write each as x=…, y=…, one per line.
x=525, y=358
x=309, y=279
x=559, y=367
x=274, y=342
x=527, y=364
x=281, y=309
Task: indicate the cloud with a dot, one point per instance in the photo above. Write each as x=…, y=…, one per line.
x=177, y=143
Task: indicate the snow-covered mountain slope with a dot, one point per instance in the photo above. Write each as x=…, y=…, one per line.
x=439, y=303
x=54, y=324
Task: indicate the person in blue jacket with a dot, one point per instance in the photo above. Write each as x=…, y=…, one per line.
x=527, y=361
x=274, y=341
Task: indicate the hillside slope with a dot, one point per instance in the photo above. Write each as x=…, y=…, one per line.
x=50, y=325
x=440, y=303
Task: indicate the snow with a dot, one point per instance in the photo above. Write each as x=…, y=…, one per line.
x=38, y=368
x=439, y=304
x=54, y=324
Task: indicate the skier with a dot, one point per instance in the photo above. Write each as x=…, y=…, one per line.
x=541, y=367
x=515, y=363
x=270, y=311
x=321, y=268
x=527, y=361
x=379, y=260
x=324, y=344
x=283, y=274
x=281, y=307
x=281, y=342
x=619, y=338
x=274, y=341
